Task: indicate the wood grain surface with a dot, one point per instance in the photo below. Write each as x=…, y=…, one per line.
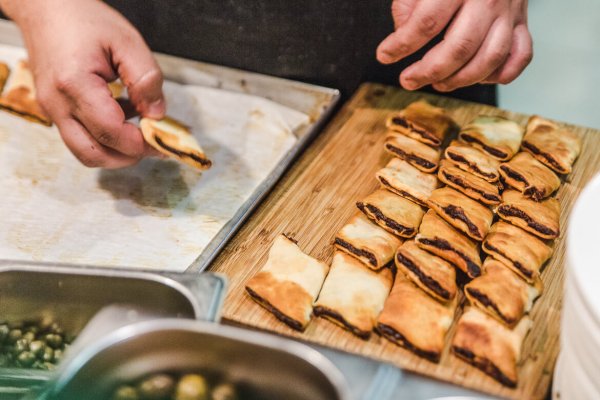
x=317, y=196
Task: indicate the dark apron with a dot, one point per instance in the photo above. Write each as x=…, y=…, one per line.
x=331, y=43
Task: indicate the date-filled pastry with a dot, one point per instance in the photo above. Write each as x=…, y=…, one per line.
x=352, y=295
x=289, y=283
x=497, y=136
x=393, y=213
x=469, y=184
x=490, y=345
x=440, y=238
x=473, y=160
x=423, y=122
x=431, y=273
x=502, y=293
x=529, y=176
x=462, y=212
x=366, y=241
x=403, y=179
x=553, y=146
x=542, y=218
x=414, y=152
x=523, y=252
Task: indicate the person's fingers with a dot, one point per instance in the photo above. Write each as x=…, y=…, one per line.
x=520, y=56
x=427, y=19
x=141, y=74
x=87, y=150
x=461, y=42
x=492, y=53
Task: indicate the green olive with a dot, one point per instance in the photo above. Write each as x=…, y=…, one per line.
x=14, y=335
x=48, y=354
x=26, y=359
x=37, y=347
x=225, y=391
x=4, y=331
x=30, y=336
x=53, y=340
x=58, y=353
x=192, y=387
x=126, y=393
x=19, y=346
x=156, y=387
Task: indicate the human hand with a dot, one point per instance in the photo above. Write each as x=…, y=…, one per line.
x=75, y=48
x=487, y=41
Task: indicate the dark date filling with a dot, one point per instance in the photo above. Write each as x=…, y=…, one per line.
x=397, y=338
x=509, y=211
x=390, y=223
x=457, y=213
x=486, y=302
x=460, y=159
x=472, y=269
x=292, y=323
x=546, y=156
x=535, y=193
x=427, y=280
x=402, y=193
x=180, y=153
x=517, y=264
x=421, y=132
x=514, y=175
x=461, y=183
x=321, y=311
x=358, y=252
x=485, y=365
x=411, y=157
x=491, y=150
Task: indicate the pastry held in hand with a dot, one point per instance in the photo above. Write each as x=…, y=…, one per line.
x=440, y=238
x=414, y=320
x=403, y=179
x=393, y=213
x=497, y=136
x=289, y=283
x=490, y=345
x=502, y=293
x=20, y=96
x=434, y=275
x=523, y=252
x=423, y=122
x=542, y=218
x=473, y=160
x=352, y=295
x=469, y=184
x=553, y=146
x=529, y=176
x=462, y=212
x=369, y=243
x=174, y=139
x=414, y=152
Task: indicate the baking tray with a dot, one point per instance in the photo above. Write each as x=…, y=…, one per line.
x=315, y=101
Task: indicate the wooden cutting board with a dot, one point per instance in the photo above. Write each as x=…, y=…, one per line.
x=318, y=195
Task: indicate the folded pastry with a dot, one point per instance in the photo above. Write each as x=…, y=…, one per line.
x=401, y=178
x=542, y=218
x=4, y=73
x=367, y=242
x=521, y=251
x=469, y=184
x=416, y=153
x=431, y=273
x=462, y=212
x=497, y=136
x=554, y=147
x=20, y=96
x=502, y=293
x=289, y=283
x=414, y=320
x=393, y=213
x=352, y=295
x=440, y=238
x=489, y=345
x=423, y=122
x=473, y=160
x=174, y=139
x=529, y=176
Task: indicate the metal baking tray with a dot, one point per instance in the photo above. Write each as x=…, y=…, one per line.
x=316, y=101
x=72, y=295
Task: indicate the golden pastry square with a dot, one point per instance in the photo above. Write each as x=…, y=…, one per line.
x=529, y=176
x=369, y=243
x=289, y=283
x=393, y=213
x=465, y=214
x=494, y=135
x=469, y=184
x=423, y=122
x=523, y=252
x=473, y=160
x=414, y=152
x=403, y=179
x=542, y=218
x=352, y=295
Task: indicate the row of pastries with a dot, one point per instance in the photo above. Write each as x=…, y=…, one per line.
x=401, y=262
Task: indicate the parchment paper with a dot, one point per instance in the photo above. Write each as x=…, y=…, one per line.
x=159, y=214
